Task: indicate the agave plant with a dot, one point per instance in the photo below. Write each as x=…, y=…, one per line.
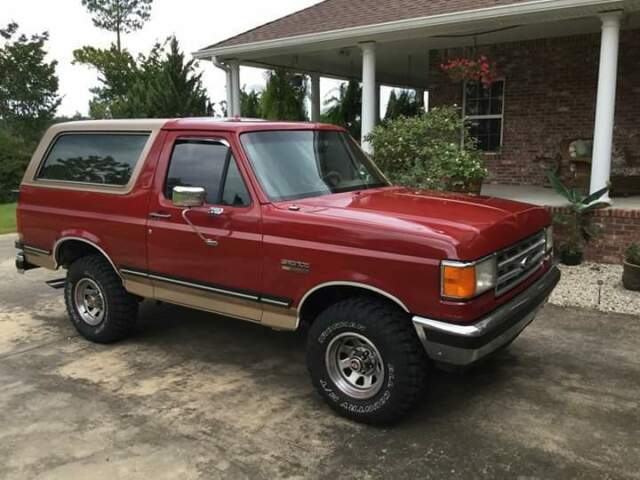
x=577, y=221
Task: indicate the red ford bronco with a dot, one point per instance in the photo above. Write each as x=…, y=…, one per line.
x=288, y=225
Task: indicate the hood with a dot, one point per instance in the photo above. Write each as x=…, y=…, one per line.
x=474, y=225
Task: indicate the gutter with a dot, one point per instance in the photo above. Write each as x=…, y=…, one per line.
x=227, y=71
x=218, y=64
x=491, y=13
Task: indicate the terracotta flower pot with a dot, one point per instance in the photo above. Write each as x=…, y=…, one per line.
x=631, y=276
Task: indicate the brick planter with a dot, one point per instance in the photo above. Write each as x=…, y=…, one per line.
x=616, y=230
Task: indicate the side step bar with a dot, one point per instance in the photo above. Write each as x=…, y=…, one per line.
x=58, y=283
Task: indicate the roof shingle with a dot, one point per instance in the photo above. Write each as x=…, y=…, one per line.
x=338, y=14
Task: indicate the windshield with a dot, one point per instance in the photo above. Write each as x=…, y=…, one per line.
x=307, y=163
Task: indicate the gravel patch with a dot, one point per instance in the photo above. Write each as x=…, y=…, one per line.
x=596, y=286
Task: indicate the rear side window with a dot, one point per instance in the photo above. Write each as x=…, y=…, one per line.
x=208, y=164
x=97, y=158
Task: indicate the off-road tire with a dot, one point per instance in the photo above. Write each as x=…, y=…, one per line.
x=121, y=307
x=405, y=362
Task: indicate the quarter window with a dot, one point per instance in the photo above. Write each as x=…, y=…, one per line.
x=208, y=164
x=483, y=112
x=96, y=158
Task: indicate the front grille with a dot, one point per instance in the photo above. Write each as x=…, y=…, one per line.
x=518, y=262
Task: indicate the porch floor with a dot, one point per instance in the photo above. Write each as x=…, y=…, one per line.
x=547, y=196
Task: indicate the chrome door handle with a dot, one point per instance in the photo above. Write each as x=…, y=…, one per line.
x=216, y=211
x=158, y=215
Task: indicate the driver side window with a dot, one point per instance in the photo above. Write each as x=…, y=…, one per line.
x=208, y=164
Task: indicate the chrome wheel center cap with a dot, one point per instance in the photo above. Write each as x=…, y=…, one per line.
x=355, y=364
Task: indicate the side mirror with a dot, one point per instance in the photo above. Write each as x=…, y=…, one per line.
x=188, y=196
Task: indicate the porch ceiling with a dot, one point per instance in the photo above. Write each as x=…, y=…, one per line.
x=402, y=58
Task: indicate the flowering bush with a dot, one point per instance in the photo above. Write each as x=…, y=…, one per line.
x=426, y=151
x=480, y=70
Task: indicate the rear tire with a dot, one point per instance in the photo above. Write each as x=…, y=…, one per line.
x=366, y=361
x=99, y=307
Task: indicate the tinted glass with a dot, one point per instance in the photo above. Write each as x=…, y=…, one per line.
x=107, y=159
x=235, y=192
x=299, y=164
x=197, y=163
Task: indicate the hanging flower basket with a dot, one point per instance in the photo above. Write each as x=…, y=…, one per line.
x=481, y=70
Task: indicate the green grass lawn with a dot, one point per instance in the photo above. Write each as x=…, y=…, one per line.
x=7, y=218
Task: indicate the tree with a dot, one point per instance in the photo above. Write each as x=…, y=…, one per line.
x=119, y=16
x=345, y=108
x=28, y=83
x=14, y=158
x=168, y=86
x=250, y=103
x=117, y=71
x=284, y=96
x=160, y=84
x=404, y=105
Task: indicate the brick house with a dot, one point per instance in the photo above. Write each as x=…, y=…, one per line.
x=569, y=74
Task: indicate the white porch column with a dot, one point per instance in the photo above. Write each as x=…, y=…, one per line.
x=368, y=92
x=606, y=101
x=378, y=92
x=315, y=97
x=228, y=91
x=234, y=68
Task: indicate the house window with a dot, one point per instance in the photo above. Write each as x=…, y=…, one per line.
x=483, y=110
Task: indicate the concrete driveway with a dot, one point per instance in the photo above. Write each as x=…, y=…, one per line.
x=197, y=396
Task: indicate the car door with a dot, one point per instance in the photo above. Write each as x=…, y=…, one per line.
x=206, y=257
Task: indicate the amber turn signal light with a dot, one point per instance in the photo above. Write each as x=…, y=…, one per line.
x=458, y=282
x=463, y=281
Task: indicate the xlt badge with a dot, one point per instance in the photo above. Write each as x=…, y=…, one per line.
x=295, y=266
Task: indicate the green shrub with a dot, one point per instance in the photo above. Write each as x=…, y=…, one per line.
x=426, y=151
x=632, y=254
x=14, y=158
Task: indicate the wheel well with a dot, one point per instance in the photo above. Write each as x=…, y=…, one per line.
x=322, y=298
x=71, y=250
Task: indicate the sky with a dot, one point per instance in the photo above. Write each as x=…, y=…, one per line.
x=195, y=23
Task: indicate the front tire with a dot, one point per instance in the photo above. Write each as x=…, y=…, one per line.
x=366, y=361
x=99, y=307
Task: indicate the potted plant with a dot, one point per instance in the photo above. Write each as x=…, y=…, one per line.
x=631, y=268
x=577, y=221
x=481, y=70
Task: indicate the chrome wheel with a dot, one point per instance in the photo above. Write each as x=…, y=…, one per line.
x=355, y=365
x=89, y=301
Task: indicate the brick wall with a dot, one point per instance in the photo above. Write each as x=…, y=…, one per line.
x=617, y=229
x=550, y=93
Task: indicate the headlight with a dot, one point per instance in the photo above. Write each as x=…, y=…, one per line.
x=462, y=281
x=548, y=238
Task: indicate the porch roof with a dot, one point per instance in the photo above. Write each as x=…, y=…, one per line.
x=324, y=38
x=332, y=15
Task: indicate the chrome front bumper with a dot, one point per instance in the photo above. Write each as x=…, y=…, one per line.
x=460, y=345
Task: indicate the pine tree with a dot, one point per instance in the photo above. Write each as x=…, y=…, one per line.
x=250, y=104
x=404, y=105
x=119, y=16
x=345, y=108
x=284, y=96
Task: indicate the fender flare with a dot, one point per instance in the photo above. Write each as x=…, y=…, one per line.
x=61, y=240
x=339, y=283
